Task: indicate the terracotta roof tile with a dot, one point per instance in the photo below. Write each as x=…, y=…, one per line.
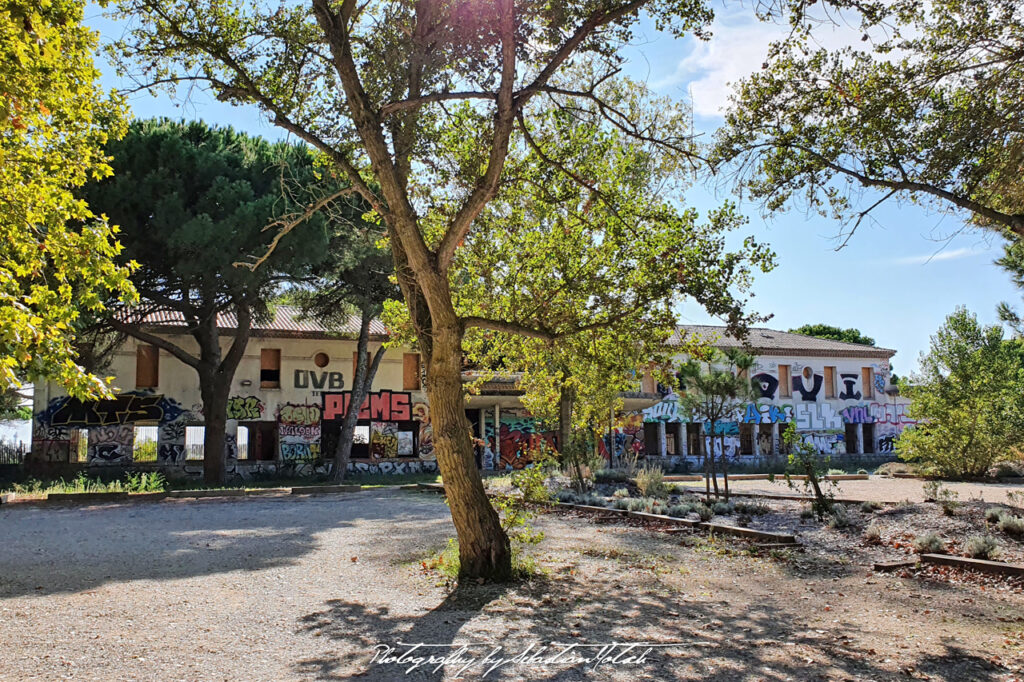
x=773, y=342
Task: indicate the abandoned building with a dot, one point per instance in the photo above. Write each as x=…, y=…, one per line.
x=290, y=393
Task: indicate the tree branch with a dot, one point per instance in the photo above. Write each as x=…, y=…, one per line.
x=154, y=340
x=416, y=102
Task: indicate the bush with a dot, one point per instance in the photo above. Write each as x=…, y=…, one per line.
x=752, y=508
x=839, y=518
x=722, y=508
x=890, y=468
x=929, y=543
x=566, y=495
x=622, y=503
x=704, y=512
x=862, y=472
x=806, y=513
x=1011, y=525
x=651, y=482
x=680, y=511
x=610, y=476
x=994, y=514
x=620, y=493
x=870, y=506
x=635, y=504
x=835, y=472
x=873, y=534
x=981, y=547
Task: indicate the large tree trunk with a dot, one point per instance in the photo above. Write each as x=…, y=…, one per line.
x=484, y=550
x=366, y=370
x=711, y=459
x=214, y=391
x=725, y=469
x=565, y=445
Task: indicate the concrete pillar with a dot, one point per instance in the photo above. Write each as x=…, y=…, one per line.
x=756, y=435
x=775, y=439
x=482, y=424
x=860, y=439
x=682, y=446
x=231, y=438
x=662, y=445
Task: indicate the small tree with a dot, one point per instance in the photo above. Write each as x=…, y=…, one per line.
x=356, y=280
x=805, y=461
x=716, y=385
x=968, y=400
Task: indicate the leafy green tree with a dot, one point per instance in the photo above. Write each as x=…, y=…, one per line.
x=968, y=400
x=419, y=105
x=56, y=255
x=929, y=111
x=192, y=201
x=805, y=462
x=716, y=385
x=356, y=280
x=1013, y=262
x=827, y=331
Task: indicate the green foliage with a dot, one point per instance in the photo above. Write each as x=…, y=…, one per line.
x=133, y=482
x=635, y=504
x=968, y=400
x=529, y=491
x=56, y=252
x=870, y=506
x=934, y=491
x=145, y=451
x=680, y=511
x=704, y=512
x=620, y=493
x=1011, y=525
x=927, y=111
x=651, y=482
x=804, y=461
x=839, y=517
x=611, y=476
x=751, y=508
x=993, y=514
x=929, y=543
x=982, y=547
x=826, y=331
x=566, y=495
x=722, y=508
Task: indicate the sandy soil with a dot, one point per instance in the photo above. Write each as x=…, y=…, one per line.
x=286, y=588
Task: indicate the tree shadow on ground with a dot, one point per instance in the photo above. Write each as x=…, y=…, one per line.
x=623, y=598
x=55, y=550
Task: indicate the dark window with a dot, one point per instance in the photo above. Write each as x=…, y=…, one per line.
x=270, y=368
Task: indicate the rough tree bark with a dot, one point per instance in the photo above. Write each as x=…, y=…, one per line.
x=366, y=370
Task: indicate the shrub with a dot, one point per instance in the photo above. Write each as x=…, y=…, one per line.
x=862, y=472
x=566, y=495
x=651, y=482
x=1016, y=498
x=722, y=508
x=835, y=472
x=870, y=506
x=680, y=511
x=620, y=493
x=622, y=503
x=807, y=513
x=1011, y=525
x=929, y=543
x=873, y=534
x=993, y=514
x=704, y=512
x=635, y=504
x=981, y=547
x=890, y=468
x=610, y=476
x=839, y=518
x=752, y=508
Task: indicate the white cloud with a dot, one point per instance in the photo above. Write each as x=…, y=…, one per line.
x=955, y=254
x=738, y=47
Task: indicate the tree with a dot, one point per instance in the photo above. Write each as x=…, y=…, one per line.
x=419, y=105
x=56, y=255
x=968, y=400
x=192, y=201
x=827, y=331
x=1013, y=262
x=931, y=112
x=356, y=280
x=716, y=385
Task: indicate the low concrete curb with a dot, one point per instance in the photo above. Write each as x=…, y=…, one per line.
x=432, y=487
x=256, y=492
x=751, y=534
x=895, y=565
x=226, y=492
x=783, y=496
x=7, y=498
x=85, y=497
x=678, y=479
x=324, y=489
x=983, y=565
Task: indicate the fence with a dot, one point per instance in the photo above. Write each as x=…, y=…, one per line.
x=12, y=454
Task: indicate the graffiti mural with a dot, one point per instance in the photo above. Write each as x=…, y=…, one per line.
x=808, y=394
x=766, y=385
x=247, y=408
x=122, y=409
x=111, y=444
x=421, y=413
x=171, y=442
x=816, y=417
x=383, y=440
x=519, y=433
x=849, y=391
x=828, y=442
x=298, y=430
x=766, y=413
x=385, y=406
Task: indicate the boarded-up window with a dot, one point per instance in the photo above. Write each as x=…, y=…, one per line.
x=830, y=382
x=270, y=368
x=411, y=372
x=648, y=384
x=785, y=385
x=867, y=382
x=147, y=367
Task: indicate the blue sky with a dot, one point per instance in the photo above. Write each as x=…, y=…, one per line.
x=895, y=280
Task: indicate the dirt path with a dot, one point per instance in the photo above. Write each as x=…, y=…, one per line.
x=267, y=589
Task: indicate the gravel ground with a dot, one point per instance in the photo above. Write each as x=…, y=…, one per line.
x=302, y=588
x=881, y=489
